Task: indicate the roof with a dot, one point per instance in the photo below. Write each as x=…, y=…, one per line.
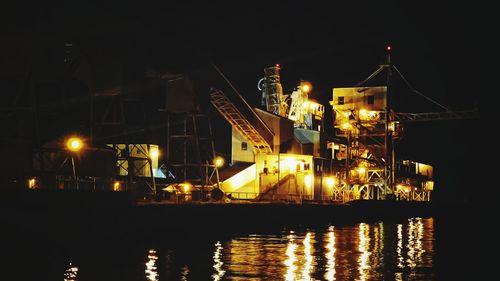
x=229, y=171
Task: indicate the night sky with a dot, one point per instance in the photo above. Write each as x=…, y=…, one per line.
x=436, y=47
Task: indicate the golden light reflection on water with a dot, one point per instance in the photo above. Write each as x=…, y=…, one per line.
x=330, y=254
x=308, y=256
x=184, y=273
x=218, y=263
x=151, y=269
x=71, y=273
x=296, y=258
x=415, y=235
x=364, y=249
x=291, y=258
x=399, y=246
x=374, y=251
x=419, y=240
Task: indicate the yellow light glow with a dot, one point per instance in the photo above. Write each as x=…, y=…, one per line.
x=305, y=105
x=313, y=106
x=392, y=126
x=306, y=87
x=363, y=113
x=361, y=170
x=116, y=186
x=347, y=113
x=346, y=126
x=218, y=162
x=154, y=153
x=308, y=180
x=186, y=187
x=74, y=144
x=290, y=163
x=330, y=182
x=429, y=186
x=32, y=183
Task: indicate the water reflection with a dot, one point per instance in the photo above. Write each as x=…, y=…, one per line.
x=151, y=269
x=308, y=256
x=218, y=263
x=291, y=259
x=330, y=254
x=184, y=273
x=71, y=273
x=399, y=249
x=364, y=249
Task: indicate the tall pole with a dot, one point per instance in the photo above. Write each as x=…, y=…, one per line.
x=74, y=171
x=388, y=135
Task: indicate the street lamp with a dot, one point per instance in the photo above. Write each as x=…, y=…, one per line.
x=218, y=162
x=74, y=145
x=305, y=87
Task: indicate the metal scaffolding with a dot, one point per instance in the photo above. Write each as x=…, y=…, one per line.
x=190, y=149
x=111, y=112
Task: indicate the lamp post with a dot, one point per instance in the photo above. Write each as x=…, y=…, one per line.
x=218, y=163
x=74, y=145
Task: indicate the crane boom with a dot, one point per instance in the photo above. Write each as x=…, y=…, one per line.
x=404, y=117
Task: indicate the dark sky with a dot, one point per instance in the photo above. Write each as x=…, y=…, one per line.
x=437, y=46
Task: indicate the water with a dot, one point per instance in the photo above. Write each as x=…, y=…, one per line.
x=397, y=250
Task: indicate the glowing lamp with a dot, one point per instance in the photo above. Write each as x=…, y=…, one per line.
x=154, y=153
x=305, y=87
x=330, y=182
x=116, y=186
x=74, y=144
x=218, y=162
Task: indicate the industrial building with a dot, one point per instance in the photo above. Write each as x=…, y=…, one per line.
x=150, y=137
x=284, y=154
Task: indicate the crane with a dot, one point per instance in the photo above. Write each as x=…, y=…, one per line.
x=381, y=125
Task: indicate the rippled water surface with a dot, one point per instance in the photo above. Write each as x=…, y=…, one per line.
x=402, y=250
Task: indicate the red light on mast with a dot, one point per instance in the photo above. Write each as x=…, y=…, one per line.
x=278, y=65
x=388, y=48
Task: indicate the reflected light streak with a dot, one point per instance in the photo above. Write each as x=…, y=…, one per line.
x=71, y=273
x=218, y=262
x=151, y=273
x=381, y=236
x=411, y=244
x=399, y=248
x=330, y=255
x=364, y=247
x=290, y=261
x=420, y=235
x=308, y=265
x=184, y=273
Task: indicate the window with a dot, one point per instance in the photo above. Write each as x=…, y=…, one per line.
x=340, y=101
x=244, y=146
x=306, y=166
x=370, y=99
